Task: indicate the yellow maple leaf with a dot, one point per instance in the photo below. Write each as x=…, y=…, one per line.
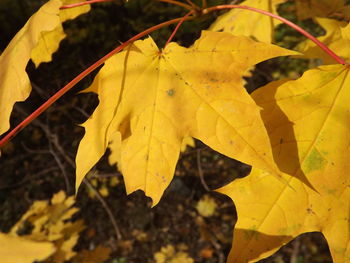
x=168, y=254
x=337, y=38
x=307, y=120
x=37, y=40
x=49, y=222
x=154, y=99
x=322, y=8
x=50, y=40
x=16, y=249
x=206, y=206
x=247, y=23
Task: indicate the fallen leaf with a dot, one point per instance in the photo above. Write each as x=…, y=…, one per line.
x=249, y=23
x=16, y=249
x=307, y=120
x=168, y=254
x=206, y=206
x=206, y=253
x=50, y=222
x=98, y=255
x=150, y=100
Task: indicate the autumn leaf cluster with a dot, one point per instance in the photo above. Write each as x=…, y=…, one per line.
x=153, y=100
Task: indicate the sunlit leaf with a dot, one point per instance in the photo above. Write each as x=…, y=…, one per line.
x=16, y=249
x=154, y=99
x=308, y=123
x=248, y=23
x=37, y=40
x=337, y=38
x=50, y=40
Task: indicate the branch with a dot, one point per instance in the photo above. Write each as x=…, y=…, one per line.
x=78, y=78
x=174, y=2
x=106, y=207
x=285, y=21
x=178, y=26
x=84, y=3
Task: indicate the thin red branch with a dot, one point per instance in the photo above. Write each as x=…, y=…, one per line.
x=84, y=3
x=174, y=2
x=178, y=26
x=285, y=21
x=78, y=78
x=194, y=6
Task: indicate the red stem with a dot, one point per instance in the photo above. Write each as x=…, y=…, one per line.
x=287, y=22
x=83, y=74
x=174, y=2
x=177, y=27
x=84, y=3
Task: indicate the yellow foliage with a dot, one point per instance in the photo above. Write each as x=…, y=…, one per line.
x=206, y=206
x=168, y=254
x=52, y=237
x=150, y=100
x=307, y=120
x=14, y=249
x=14, y=82
x=248, y=23
x=37, y=40
x=188, y=141
x=49, y=221
x=50, y=40
x=337, y=38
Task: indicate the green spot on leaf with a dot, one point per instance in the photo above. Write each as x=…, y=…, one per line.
x=314, y=161
x=170, y=92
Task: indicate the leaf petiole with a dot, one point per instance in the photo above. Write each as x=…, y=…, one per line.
x=285, y=21
x=174, y=2
x=178, y=26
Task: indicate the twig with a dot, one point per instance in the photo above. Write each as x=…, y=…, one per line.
x=78, y=78
x=84, y=3
x=177, y=27
x=106, y=207
x=174, y=2
x=99, y=197
x=285, y=21
x=194, y=6
x=52, y=138
x=61, y=166
x=200, y=171
x=26, y=179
